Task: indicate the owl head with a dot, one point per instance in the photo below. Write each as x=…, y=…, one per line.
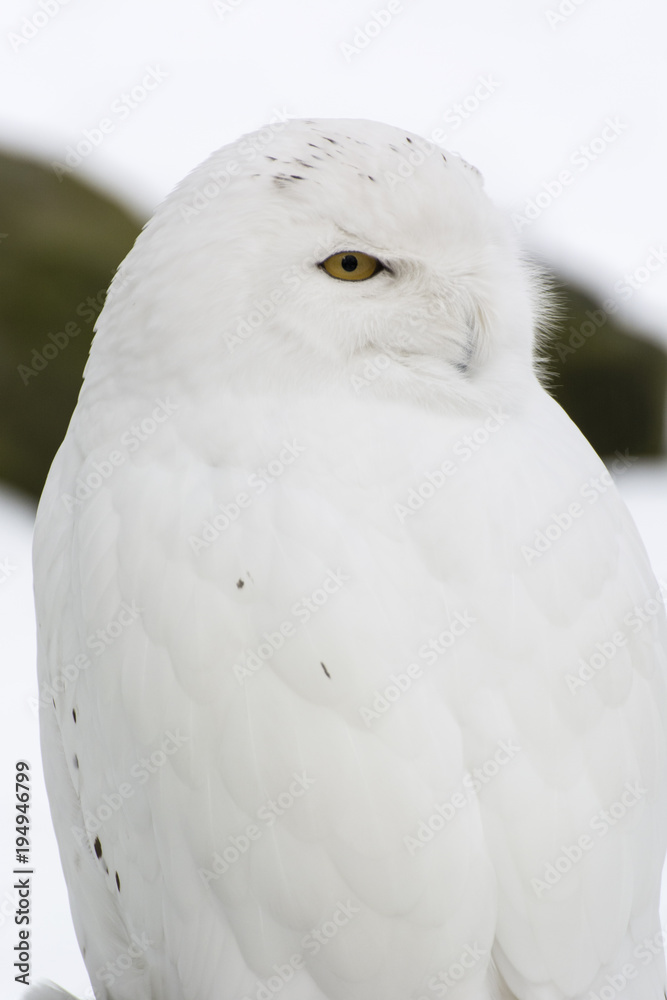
x=300, y=255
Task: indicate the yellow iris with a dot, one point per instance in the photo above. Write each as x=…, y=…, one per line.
x=351, y=265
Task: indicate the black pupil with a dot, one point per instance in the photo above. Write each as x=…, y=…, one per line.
x=349, y=262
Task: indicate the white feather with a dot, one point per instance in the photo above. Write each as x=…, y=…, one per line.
x=290, y=487
x=47, y=991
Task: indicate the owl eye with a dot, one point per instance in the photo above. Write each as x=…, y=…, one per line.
x=351, y=265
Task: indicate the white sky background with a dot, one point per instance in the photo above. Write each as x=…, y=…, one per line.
x=553, y=88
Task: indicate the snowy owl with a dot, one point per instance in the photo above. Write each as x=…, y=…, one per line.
x=351, y=661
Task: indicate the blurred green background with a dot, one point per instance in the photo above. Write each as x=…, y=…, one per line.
x=61, y=241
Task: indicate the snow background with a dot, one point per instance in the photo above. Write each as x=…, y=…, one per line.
x=229, y=67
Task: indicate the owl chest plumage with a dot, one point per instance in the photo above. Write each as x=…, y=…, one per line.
x=344, y=662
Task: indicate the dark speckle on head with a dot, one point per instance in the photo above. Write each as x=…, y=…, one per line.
x=240, y=583
x=314, y=145
x=325, y=670
x=408, y=139
x=98, y=847
x=444, y=157
x=304, y=164
x=330, y=140
x=271, y=158
x=74, y=714
x=297, y=177
x=76, y=762
x=370, y=178
x=118, y=881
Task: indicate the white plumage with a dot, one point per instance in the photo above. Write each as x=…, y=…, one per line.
x=352, y=663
